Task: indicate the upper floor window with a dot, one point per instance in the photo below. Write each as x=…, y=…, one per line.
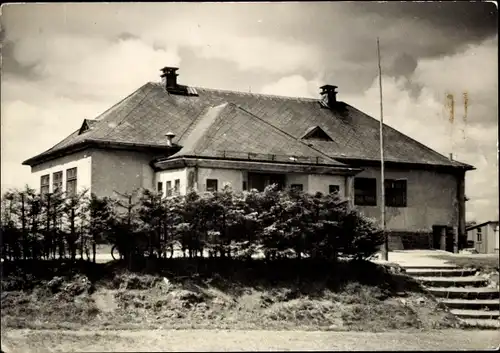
x=44, y=184
x=57, y=181
x=365, y=191
x=212, y=185
x=71, y=181
x=395, y=193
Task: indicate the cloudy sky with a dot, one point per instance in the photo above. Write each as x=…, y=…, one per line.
x=62, y=63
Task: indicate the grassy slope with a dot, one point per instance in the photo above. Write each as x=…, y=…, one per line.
x=351, y=296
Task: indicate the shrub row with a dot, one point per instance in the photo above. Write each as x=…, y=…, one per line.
x=226, y=224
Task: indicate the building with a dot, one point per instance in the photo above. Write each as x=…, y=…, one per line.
x=484, y=237
x=173, y=138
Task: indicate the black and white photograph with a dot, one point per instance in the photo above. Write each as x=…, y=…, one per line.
x=249, y=176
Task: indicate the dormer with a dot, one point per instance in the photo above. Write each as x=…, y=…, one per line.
x=87, y=125
x=316, y=133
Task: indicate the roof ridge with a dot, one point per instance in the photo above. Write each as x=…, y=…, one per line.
x=249, y=93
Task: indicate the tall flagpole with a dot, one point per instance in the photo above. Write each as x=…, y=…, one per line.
x=382, y=171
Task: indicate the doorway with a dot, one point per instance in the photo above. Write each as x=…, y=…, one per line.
x=442, y=238
x=260, y=181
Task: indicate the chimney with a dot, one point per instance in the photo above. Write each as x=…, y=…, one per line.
x=169, y=77
x=170, y=136
x=328, y=95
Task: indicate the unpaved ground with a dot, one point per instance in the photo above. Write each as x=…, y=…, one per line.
x=132, y=301
x=225, y=340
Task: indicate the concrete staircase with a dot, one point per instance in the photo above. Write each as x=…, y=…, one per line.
x=470, y=297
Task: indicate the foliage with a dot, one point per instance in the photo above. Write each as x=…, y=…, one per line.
x=272, y=223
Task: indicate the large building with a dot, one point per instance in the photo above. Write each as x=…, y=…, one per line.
x=173, y=138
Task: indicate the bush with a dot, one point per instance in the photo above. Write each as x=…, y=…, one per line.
x=276, y=224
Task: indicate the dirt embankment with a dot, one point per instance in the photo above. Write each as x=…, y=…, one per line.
x=139, y=301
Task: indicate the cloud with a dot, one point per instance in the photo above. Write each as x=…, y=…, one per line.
x=425, y=118
x=63, y=62
x=293, y=86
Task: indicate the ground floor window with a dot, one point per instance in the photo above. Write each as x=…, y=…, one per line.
x=212, y=185
x=333, y=189
x=395, y=193
x=168, y=188
x=365, y=191
x=298, y=187
x=57, y=181
x=177, y=186
x=44, y=184
x=160, y=187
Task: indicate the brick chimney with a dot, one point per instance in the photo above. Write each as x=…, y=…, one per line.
x=169, y=78
x=328, y=96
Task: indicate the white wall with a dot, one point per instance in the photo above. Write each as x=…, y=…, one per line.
x=431, y=200
x=321, y=183
x=232, y=177
x=120, y=170
x=171, y=175
x=298, y=179
x=81, y=160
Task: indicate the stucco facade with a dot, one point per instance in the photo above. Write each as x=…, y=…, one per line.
x=120, y=170
x=81, y=160
x=431, y=200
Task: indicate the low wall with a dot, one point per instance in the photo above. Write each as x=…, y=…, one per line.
x=409, y=240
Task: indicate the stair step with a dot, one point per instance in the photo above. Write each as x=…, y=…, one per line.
x=464, y=293
x=444, y=272
x=473, y=281
x=476, y=314
x=482, y=323
x=470, y=304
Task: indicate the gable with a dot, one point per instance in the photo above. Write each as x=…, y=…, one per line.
x=316, y=133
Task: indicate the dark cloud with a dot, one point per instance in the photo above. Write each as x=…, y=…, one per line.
x=474, y=20
x=11, y=67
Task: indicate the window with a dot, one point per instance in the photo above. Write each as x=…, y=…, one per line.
x=177, y=186
x=244, y=186
x=71, y=181
x=212, y=185
x=365, y=191
x=44, y=184
x=479, y=233
x=297, y=187
x=333, y=189
x=160, y=187
x=57, y=181
x=395, y=193
x=169, y=188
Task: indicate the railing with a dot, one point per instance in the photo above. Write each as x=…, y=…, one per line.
x=270, y=157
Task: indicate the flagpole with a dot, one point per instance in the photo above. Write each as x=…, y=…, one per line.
x=382, y=171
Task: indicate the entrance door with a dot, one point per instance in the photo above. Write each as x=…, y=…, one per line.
x=436, y=236
x=260, y=181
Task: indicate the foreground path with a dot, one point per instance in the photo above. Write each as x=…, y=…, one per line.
x=222, y=340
